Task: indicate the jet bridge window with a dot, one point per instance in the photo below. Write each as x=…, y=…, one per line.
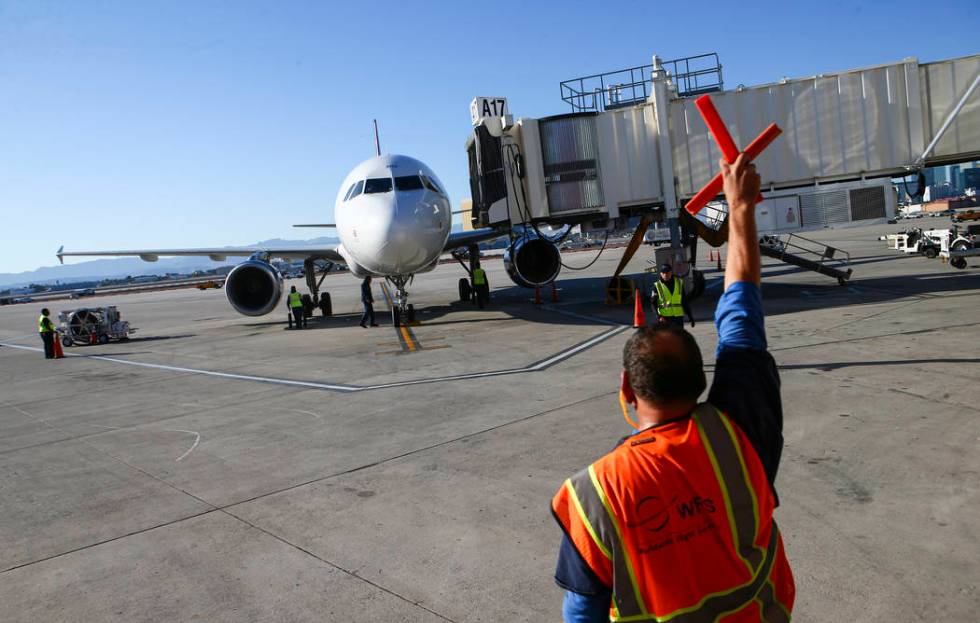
x=356, y=190
x=408, y=182
x=377, y=185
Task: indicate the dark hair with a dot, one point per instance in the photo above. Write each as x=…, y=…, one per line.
x=45, y=312
x=664, y=364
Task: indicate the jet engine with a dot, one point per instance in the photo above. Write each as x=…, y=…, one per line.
x=532, y=261
x=253, y=287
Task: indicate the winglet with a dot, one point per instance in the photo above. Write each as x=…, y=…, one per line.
x=327, y=225
x=61, y=256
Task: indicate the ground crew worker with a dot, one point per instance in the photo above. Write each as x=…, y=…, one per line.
x=296, y=306
x=668, y=298
x=676, y=522
x=481, y=286
x=48, y=333
x=367, y=299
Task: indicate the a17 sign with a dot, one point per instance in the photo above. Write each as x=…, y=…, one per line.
x=483, y=107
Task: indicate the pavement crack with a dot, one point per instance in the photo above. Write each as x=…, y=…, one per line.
x=350, y=572
x=420, y=450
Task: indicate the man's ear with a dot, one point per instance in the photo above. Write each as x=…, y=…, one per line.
x=627, y=389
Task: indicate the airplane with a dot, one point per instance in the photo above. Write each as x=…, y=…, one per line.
x=393, y=219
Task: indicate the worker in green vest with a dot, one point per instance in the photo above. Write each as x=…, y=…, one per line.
x=295, y=301
x=49, y=333
x=481, y=286
x=668, y=298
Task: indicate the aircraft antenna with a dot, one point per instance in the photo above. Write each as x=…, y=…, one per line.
x=377, y=141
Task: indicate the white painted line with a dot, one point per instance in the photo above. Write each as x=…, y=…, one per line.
x=572, y=314
x=226, y=375
x=197, y=440
x=316, y=415
x=541, y=365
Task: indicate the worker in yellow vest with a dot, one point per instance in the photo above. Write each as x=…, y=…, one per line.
x=48, y=333
x=668, y=298
x=295, y=301
x=481, y=286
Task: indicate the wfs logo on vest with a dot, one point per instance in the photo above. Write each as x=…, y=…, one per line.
x=660, y=524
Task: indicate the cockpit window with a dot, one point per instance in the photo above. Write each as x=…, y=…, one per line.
x=349, y=191
x=358, y=187
x=408, y=182
x=432, y=185
x=377, y=185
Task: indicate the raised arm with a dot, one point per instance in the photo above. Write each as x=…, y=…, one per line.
x=741, y=189
x=746, y=381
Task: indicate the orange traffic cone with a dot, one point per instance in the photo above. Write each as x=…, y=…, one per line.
x=537, y=295
x=554, y=293
x=59, y=353
x=639, y=317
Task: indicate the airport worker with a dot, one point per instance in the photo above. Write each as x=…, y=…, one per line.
x=367, y=299
x=668, y=298
x=675, y=523
x=295, y=300
x=49, y=333
x=481, y=285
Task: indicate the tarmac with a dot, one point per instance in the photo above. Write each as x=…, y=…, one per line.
x=223, y=468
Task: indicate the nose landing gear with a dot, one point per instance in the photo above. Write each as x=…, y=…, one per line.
x=402, y=312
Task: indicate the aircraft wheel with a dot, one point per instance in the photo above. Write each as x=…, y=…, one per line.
x=326, y=305
x=411, y=313
x=465, y=290
x=396, y=319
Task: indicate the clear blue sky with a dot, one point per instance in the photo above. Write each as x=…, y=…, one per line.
x=155, y=124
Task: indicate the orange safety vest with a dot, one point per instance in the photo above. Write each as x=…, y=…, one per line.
x=678, y=521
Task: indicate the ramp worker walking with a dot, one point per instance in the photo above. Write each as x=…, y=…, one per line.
x=668, y=298
x=481, y=286
x=49, y=333
x=295, y=300
x=676, y=523
x=367, y=299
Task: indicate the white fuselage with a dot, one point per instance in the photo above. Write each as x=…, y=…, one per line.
x=393, y=217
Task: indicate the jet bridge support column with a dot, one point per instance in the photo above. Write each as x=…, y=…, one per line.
x=661, y=107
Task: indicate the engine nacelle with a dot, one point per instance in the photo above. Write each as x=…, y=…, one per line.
x=253, y=288
x=532, y=261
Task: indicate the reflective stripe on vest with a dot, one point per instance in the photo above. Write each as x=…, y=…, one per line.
x=669, y=303
x=479, y=276
x=295, y=299
x=593, y=521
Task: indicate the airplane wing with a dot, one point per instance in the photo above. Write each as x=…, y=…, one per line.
x=464, y=238
x=217, y=254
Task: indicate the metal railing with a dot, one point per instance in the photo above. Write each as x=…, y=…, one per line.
x=692, y=75
x=812, y=250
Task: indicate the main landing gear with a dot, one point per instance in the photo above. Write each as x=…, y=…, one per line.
x=317, y=298
x=466, y=290
x=401, y=311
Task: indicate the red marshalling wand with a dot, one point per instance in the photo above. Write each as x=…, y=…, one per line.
x=728, y=149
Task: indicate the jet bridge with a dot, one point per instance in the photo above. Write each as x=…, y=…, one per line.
x=633, y=143
x=637, y=142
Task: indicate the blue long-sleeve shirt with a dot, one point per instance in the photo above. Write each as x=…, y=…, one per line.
x=746, y=387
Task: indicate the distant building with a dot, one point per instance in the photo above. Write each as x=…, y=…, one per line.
x=971, y=178
x=954, y=178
